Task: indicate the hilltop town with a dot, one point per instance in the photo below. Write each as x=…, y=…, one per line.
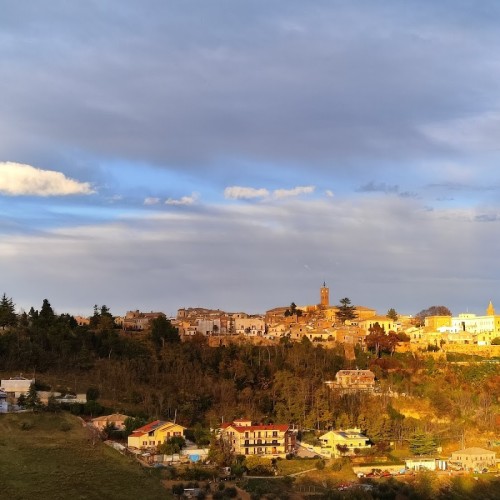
x=310, y=395
x=330, y=325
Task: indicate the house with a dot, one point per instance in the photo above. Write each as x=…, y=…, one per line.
x=347, y=440
x=421, y=463
x=139, y=321
x=117, y=419
x=263, y=440
x=72, y=398
x=353, y=381
x=17, y=385
x=474, y=458
x=4, y=406
x=387, y=324
x=154, y=434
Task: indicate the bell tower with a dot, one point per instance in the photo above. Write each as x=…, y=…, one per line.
x=491, y=310
x=324, y=295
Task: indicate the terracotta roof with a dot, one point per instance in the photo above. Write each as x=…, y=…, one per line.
x=246, y=428
x=148, y=427
x=152, y=427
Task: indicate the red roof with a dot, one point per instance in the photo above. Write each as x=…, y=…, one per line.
x=246, y=428
x=148, y=427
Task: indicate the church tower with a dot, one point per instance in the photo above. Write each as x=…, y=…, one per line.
x=324, y=296
x=491, y=310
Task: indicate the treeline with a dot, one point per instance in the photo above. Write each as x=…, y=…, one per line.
x=155, y=375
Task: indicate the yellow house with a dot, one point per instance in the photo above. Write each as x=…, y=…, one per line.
x=351, y=439
x=387, y=324
x=154, y=434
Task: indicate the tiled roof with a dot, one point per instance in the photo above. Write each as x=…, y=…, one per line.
x=152, y=427
x=245, y=428
x=148, y=427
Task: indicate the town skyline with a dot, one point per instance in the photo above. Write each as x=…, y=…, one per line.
x=235, y=156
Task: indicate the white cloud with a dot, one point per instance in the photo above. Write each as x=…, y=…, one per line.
x=296, y=191
x=17, y=179
x=329, y=193
x=185, y=200
x=151, y=201
x=244, y=193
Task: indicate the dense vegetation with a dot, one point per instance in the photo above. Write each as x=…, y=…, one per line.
x=156, y=375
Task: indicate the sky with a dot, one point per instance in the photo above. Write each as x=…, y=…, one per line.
x=236, y=155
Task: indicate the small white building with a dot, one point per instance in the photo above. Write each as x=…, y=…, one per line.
x=421, y=463
x=17, y=385
x=4, y=406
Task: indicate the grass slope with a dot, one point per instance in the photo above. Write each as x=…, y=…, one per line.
x=48, y=461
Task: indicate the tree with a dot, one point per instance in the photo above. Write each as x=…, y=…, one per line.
x=46, y=313
x=172, y=445
x=346, y=311
x=162, y=331
x=431, y=311
x=343, y=449
x=53, y=405
x=7, y=312
x=102, y=319
x=32, y=400
x=293, y=311
x=392, y=314
x=422, y=443
x=376, y=340
x=133, y=423
x=93, y=394
x=220, y=452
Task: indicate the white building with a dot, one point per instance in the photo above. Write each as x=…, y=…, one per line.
x=252, y=326
x=4, y=406
x=17, y=385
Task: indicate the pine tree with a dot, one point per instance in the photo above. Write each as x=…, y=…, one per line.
x=422, y=444
x=345, y=311
x=7, y=312
x=32, y=400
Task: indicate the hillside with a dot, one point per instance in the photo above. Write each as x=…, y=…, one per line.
x=47, y=456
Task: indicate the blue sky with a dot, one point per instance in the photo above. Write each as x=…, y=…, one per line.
x=235, y=155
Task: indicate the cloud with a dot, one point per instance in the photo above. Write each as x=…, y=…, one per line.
x=296, y=191
x=329, y=193
x=248, y=193
x=151, y=201
x=186, y=248
x=382, y=187
x=244, y=193
x=185, y=200
x=17, y=179
x=487, y=218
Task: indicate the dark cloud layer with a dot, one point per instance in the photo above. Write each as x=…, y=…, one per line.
x=387, y=111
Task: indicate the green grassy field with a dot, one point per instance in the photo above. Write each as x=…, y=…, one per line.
x=53, y=458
